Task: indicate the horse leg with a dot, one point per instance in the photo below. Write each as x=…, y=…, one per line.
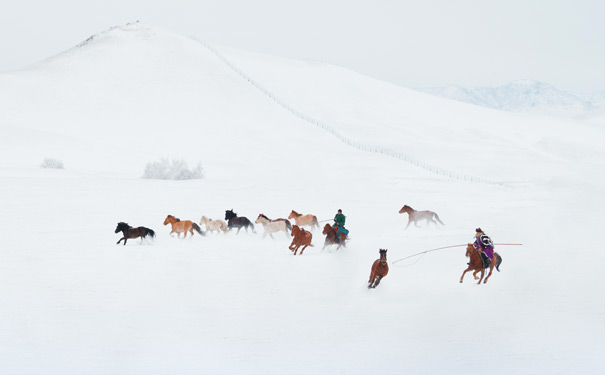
x=377, y=281
x=463, y=273
x=409, y=222
x=482, y=274
x=303, y=249
x=491, y=269
x=123, y=238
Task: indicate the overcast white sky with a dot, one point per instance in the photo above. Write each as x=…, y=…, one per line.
x=411, y=43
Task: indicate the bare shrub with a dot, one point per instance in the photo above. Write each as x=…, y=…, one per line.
x=172, y=170
x=51, y=163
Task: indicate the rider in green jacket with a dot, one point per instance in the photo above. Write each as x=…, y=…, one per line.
x=339, y=225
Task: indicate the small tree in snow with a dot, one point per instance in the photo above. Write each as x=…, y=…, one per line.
x=51, y=163
x=172, y=170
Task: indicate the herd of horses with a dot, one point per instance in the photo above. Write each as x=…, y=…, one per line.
x=302, y=238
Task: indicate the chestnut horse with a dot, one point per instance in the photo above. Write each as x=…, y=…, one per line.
x=130, y=232
x=380, y=269
x=301, y=238
x=304, y=220
x=476, y=263
x=415, y=216
x=234, y=221
x=332, y=237
x=184, y=226
x=214, y=225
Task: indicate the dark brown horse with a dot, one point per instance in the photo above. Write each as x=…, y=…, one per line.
x=130, y=232
x=332, y=237
x=234, y=221
x=380, y=269
x=301, y=238
x=476, y=263
x=415, y=216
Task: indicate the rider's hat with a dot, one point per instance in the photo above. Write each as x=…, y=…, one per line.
x=479, y=230
x=339, y=210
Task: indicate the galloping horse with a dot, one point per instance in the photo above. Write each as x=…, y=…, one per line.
x=301, y=238
x=234, y=221
x=476, y=263
x=304, y=220
x=414, y=216
x=332, y=237
x=130, y=232
x=214, y=225
x=272, y=226
x=184, y=226
x=380, y=269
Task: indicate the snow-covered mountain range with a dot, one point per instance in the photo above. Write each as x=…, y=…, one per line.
x=526, y=96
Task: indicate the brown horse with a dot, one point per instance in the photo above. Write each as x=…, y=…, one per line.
x=380, y=269
x=304, y=220
x=415, y=216
x=476, y=263
x=301, y=238
x=130, y=232
x=184, y=226
x=332, y=237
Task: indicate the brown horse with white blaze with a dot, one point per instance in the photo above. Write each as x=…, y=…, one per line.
x=304, y=220
x=380, y=269
x=301, y=238
x=476, y=263
x=184, y=226
x=415, y=216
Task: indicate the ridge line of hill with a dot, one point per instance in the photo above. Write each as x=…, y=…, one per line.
x=345, y=140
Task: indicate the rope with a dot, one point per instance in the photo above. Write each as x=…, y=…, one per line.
x=448, y=247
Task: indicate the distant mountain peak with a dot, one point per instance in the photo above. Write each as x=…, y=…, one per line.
x=526, y=95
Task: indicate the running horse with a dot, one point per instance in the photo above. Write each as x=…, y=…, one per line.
x=234, y=221
x=214, y=225
x=332, y=237
x=477, y=264
x=301, y=238
x=184, y=226
x=272, y=226
x=380, y=269
x=415, y=216
x=304, y=220
x=130, y=232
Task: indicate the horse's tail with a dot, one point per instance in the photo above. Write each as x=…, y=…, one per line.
x=314, y=222
x=198, y=229
x=251, y=225
x=437, y=218
x=498, y=261
x=288, y=225
x=150, y=232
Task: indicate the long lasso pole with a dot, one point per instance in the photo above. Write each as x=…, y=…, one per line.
x=447, y=247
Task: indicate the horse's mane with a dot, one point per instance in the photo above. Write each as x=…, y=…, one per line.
x=122, y=224
x=263, y=215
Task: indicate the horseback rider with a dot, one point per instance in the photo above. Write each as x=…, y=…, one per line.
x=339, y=225
x=485, y=244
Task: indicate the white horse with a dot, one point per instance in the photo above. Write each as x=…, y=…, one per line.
x=212, y=225
x=272, y=226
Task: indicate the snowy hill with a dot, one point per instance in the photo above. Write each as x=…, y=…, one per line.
x=525, y=96
x=276, y=135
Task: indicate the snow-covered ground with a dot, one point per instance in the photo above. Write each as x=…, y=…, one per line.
x=276, y=135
